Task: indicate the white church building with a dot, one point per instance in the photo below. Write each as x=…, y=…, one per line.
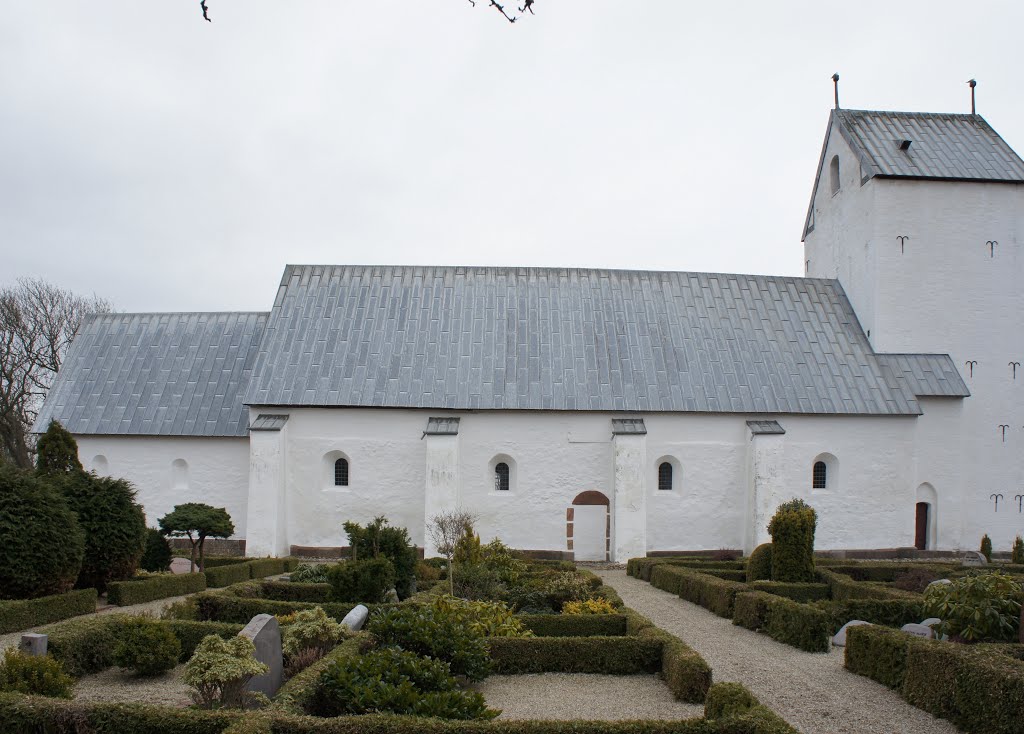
x=605, y=414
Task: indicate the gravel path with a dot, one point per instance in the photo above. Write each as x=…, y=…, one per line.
x=572, y=696
x=811, y=691
x=116, y=685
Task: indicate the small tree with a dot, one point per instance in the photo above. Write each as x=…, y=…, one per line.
x=197, y=522
x=378, y=539
x=57, y=451
x=446, y=530
x=1017, y=556
x=792, y=530
x=986, y=547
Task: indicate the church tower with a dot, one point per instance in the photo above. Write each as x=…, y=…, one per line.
x=920, y=216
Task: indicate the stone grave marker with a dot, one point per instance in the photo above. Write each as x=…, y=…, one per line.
x=941, y=582
x=840, y=639
x=355, y=619
x=974, y=558
x=265, y=633
x=33, y=644
x=919, y=630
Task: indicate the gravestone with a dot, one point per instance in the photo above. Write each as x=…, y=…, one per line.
x=940, y=582
x=391, y=597
x=974, y=558
x=355, y=619
x=840, y=639
x=919, y=630
x=33, y=644
x=265, y=633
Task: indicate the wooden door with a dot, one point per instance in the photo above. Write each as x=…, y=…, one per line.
x=921, y=536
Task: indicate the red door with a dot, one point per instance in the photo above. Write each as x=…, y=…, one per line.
x=921, y=536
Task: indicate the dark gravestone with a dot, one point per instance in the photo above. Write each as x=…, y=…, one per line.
x=265, y=633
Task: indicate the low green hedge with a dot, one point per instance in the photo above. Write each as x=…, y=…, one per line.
x=23, y=614
x=294, y=591
x=845, y=588
x=609, y=594
x=801, y=625
x=887, y=612
x=575, y=625
x=295, y=694
x=607, y=655
x=87, y=645
x=714, y=594
x=977, y=687
x=797, y=591
x=126, y=593
x=217, y=561
x=233, y=573
x=224, y=608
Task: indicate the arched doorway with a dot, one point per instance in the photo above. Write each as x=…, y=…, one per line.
x=588, y=527
x=924, y=517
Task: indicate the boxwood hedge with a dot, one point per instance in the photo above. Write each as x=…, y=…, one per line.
x=139, y=591
x=27, y=613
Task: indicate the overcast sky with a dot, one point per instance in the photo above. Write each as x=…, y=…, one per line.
x=167, y=163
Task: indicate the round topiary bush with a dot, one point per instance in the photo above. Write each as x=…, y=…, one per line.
x=759, y=565
x=114, y=526
x=147, y=647
x=792, y=530
x=157, y=556
x=41, y=543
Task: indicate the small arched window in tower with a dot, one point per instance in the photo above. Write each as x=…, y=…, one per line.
x=501, y=477
x=819, y=475
x=834, y=171
x=665, y=475
x=341, y=473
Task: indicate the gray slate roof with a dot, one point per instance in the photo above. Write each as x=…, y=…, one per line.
x=927, y=375
x=568, y=339
x=168, y=374
x=943, y=146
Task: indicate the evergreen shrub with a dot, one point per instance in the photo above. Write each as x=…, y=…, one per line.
x=157, y=556
x=41, y=541
x=982, y=607
x=1017, y=554
x=380, y=540
x=986, y=547
x=146, y=646
x=759, y=565
x=114, y=526
x=57, y=451
x=364, y=581
x=34, y=675
x=792, y=530
x=150, y=588
x=219, y=671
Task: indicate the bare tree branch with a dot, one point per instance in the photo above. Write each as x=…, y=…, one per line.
x=527, y=7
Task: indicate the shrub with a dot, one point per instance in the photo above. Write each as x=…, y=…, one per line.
x=915, y=579
x=157, y=555
x=379, y=540
x=146, y=646
x=293, y=591
x=601, y=655
x=888, y=612
x=361, y=581
x=427, y=572
x=588, y=606
x=220, y=669
x=34, y=675
x=986, y=547
x=476, y=581
x=312, y=574
x=41, y=542
x=84, y=646
x=802, y=592
x=114, y=526
x=398, y=682
x=566, y=586
x=57, y=451
x=575, y=625
x=486, y=618
x=725, y=699
x=985, y=606
x=226, y=575
x=878, y=653
x=161, y=586
x=792, y=530
x=310, y=629
x=1017, y=554
x=21, y=615
x=434, y=632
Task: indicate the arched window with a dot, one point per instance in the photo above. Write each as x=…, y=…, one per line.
x=341, y=473
x=665, y=475
x=501, y=476
x=834, y=171
x=819, y=475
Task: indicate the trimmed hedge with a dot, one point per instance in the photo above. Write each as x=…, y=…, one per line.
x=610, y=594
x=801, y=625
x=686, y=673
x=797, y=591
x=607, y=655
x=715, y=594
x=224, y=608
x=87, y=646
x=218, y=561
x=295, y=591
x=126, y=593
x=890, y=613
x=845, y=588
x=575, y=625
x=977, y=687
x=27, y=613
x=233, y=573
x=294, y=696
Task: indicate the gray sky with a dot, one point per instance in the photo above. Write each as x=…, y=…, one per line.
x=167, y=163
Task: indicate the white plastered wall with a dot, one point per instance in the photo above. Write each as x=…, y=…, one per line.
x=216, y=471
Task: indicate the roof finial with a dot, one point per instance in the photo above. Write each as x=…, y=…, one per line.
x=835, y=81
x=972, y=84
